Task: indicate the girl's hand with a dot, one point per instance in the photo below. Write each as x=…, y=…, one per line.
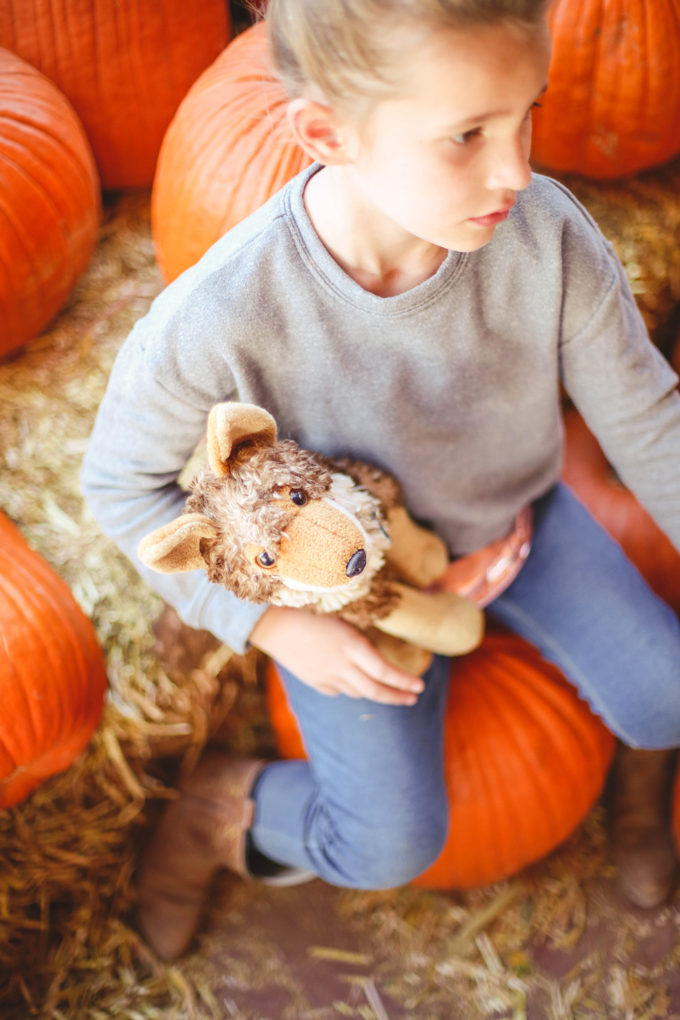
x=332, y=656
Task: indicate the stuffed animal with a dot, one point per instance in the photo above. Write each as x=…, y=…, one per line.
x=276, y=523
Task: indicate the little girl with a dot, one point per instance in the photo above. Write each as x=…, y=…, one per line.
x=415, y=299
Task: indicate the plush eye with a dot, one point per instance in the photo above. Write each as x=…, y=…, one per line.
x=265, y=560
x=298, y=497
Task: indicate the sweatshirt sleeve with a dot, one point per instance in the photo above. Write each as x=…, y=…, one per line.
x=152, y=416
x=622, y=385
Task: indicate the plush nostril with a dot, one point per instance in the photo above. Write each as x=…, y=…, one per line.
x=356, y=563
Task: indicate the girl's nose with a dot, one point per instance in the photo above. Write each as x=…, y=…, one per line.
x=509, y=168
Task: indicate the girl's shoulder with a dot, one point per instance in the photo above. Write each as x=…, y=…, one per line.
x=265, y=231
x=548, y=204
x=253, y=258
x=551, y=221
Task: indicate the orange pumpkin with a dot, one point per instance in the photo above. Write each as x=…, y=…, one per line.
x=125, y=65
x=227, y=150
x=525, y=760
x=588, y=473
x=675, y=810
x=675, y=354
x=49, y=201
x=613, y=102
x=52, y=672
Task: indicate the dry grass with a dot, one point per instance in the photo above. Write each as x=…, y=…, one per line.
x=68, y=947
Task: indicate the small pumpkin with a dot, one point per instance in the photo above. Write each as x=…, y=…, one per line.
x=525, y=759
x=49, y=201
x=613, y=102
x=588, y=473
x=227, y=150
x=125, y=65
x=52, y=671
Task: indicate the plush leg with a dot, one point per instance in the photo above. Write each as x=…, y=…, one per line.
x=201, y=831
x=639, y=824
x=419, y=556
x=442, y=621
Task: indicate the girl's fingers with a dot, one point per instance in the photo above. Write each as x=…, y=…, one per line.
x=375, y=668
x=356, y=684
x=359, y=685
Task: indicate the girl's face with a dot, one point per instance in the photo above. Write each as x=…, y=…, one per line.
x=444, y=161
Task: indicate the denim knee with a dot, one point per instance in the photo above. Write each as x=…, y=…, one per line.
x=385, y=857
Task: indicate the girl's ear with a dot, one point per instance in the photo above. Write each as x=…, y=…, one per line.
x=319, y=131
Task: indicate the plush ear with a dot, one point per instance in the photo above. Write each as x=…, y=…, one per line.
x=230, y=425
x=176, y=546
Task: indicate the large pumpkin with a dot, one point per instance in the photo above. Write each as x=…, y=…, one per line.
x=525, y=760
x=49, y=201
x=52, y=673
x=613, y=102
x=228, y=149
x=125, y=65
x=675, y=810
x=587, y=471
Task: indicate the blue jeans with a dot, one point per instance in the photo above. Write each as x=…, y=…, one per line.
x=370, y=809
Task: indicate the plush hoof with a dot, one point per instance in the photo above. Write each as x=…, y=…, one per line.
x=400, y=653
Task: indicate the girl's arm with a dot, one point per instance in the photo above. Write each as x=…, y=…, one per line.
x=330, y=655
x=152, y=417
x=621, y=384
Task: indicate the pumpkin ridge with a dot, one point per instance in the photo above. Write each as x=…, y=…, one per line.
x=563, y=697
x=510, y=692
x=33, y=184
x=224, y=154
x=8, y=211
x=482, y=809
x=44, y=590
x=26, y=718
x=37, y=601
x=614, y=99
x=583, y=741
x=42, y=766
x=52, y=669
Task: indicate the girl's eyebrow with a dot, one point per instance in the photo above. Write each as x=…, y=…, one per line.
x=490, y=114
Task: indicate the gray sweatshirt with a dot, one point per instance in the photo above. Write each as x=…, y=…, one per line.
x=453, y=386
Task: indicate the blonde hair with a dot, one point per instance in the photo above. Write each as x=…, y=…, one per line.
x=347, y=52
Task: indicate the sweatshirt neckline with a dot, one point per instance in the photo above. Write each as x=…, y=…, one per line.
x=331, y=275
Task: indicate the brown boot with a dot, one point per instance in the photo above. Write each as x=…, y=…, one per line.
x=640, y=825
x=201, y=832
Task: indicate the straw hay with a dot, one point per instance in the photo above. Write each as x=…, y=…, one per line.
x=68, y=946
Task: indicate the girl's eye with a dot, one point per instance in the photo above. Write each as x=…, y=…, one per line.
x=298, y=497
x=265, y=560
x=466, y=136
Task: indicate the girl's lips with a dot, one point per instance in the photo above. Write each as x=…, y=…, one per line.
x=492, y=219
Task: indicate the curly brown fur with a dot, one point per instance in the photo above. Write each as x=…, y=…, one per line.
x=378, y=604
x=242, y=506
x=383, y=486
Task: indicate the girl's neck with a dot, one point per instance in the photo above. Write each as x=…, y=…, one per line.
x=375, y=252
